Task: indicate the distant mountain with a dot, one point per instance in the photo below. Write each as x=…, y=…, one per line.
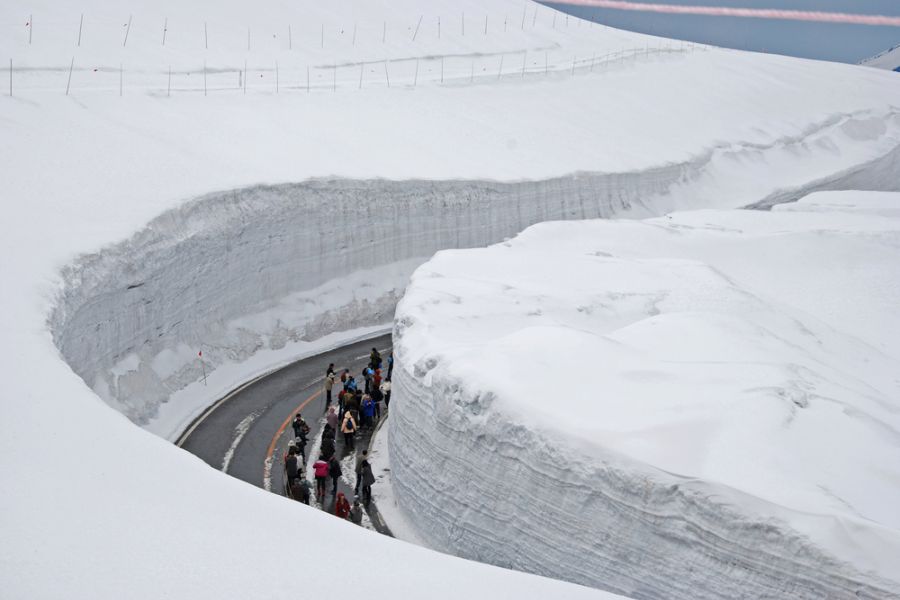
x=889, y=59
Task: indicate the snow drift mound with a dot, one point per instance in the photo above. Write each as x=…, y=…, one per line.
x=680, y=407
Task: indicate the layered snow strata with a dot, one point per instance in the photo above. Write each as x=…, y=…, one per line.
x=681, y=407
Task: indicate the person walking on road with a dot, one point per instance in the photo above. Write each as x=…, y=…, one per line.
x=386, y=390
x=359, y=459
x=368, y=479
x=375, y=359
x=342, y=506
x=356, y=513
x=329, y=384
x=291, y=466
x=320, y=470
x=335, y=472
x=301, y=428
x=368, y=411
x=300, y=489
x=331, y=419
x=348, y=428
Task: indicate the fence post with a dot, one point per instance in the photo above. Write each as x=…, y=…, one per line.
x=127, y=31
x=387, y=75
x=307, y=79
x=10, y=78
x=574, y=58
x=30, y=27
x=246, y=77
x=248, y=39
x=524, y=62
x=463, y=24
x=524, y=10
x=205, y=36
x=439, y=28
x=472, y=76
x=169, y=85
x=546, y=63
x=416, y=32
x=362, y=67
x=204, y=77
x=290, y=39
x=383, y=31
x=500, y=70
x=442, y=69
x=322, y=43
x=334, y=78
x=69, y=82
x=416, y=76
x=485, y=24
x=80, y=26
x=354, y=35
x=276, y=77
x=165, y=29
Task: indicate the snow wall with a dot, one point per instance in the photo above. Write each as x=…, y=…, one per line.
x=258, y=268
x=663, y=536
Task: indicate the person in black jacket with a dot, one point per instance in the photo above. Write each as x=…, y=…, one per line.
x=334, y=470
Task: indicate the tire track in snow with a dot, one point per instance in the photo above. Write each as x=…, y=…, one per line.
x=240, y=431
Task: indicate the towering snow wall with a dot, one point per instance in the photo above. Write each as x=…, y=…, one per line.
x=698, y=406
x=259, y=268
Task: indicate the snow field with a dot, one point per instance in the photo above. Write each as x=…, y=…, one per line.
x=679, y=407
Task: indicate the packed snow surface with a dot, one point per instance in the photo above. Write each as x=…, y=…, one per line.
x=247, y=180
x=676, y=407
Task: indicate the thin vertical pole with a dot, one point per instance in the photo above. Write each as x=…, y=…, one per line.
x=362, y=67
x=554, y=19
x=334, y=78
x=387, y=75
x=505, y=19
x=546, y=63
x=463, y=22
x=204, y=77
x=574, y=58
x=205, y=36
x=246, y=76
x=524, y=62
x=248, y=39
x=485, y=24
x=524, y=10
x=354, y=35
x=276, y=76
x=80, y=26
x=307, y=79
x=69, y=82
x=442, y=70
x=165, y=29
x=30, y=28
x=127, y=31
x=121, y=78
x=416, y=32
x=416, y=76
x=593, y=58
x=534, y=18
x=169, y=86
x=10, y=78
x=290, y=39
x=500, y=70
x=439, y=28
x=322, y=43
x=383, y=31
x=472, y=75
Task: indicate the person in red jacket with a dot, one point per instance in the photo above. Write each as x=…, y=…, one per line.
x=320, y=470
x=342, y=506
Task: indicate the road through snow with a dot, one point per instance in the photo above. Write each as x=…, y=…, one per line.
x=236, y=437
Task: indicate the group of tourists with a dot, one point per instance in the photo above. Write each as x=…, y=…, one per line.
x=358, y=410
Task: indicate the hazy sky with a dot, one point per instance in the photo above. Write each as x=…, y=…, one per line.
x=826, y=41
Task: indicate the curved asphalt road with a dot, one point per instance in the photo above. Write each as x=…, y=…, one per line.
x=242, y=434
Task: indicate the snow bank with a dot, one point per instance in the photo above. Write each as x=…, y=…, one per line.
x=679, y=407
x=143, y=225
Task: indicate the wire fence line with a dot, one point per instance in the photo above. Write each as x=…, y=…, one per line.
x=277, y=77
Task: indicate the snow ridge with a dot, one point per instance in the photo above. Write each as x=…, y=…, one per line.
x=262, y=267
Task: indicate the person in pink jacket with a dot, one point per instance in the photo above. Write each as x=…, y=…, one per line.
x=320, y=470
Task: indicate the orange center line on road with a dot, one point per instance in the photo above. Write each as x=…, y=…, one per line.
x=271, y=450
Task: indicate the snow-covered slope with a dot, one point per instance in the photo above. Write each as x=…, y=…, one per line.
x=141, y=228
x=678, y=407
x=889, y=59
